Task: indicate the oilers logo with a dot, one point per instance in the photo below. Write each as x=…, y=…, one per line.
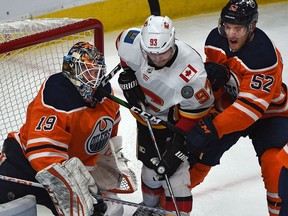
x=100, y=136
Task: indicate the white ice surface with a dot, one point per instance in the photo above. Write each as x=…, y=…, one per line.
x=235, y=187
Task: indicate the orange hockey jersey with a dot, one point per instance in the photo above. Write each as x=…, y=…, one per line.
x=60, y=125
x=255, y=86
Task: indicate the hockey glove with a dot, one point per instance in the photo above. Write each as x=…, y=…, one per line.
x=199, y=136
x=217, y=74
x=98, y=96
x=172, y=158
x=131, y=89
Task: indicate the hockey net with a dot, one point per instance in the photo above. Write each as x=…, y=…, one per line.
x=30, y=51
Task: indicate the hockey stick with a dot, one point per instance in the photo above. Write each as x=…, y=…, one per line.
x=21, y=181
x=124, y=202
x=96, y=196
x=142, y=113
x=160, y=157
x=107, y=78
x=145, y=114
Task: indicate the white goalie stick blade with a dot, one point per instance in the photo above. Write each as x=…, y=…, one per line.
x=124, y=202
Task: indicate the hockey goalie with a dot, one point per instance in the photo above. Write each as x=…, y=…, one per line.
x=69, y=142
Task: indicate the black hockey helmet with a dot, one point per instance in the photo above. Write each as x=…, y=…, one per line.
x=240, y=12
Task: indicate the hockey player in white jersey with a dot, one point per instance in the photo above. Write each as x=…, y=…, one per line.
x=168, y=77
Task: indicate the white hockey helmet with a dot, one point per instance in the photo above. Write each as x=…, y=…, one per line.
x=157, y=34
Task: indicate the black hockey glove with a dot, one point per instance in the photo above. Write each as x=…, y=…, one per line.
x=98, y=96
x=199, y=136
x=131, y=89
x=172, y=158
x=217, y=74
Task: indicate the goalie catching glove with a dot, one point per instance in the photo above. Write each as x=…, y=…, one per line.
x=70, y=186
x=131, y=88
x=111, y=172
x=172, y=158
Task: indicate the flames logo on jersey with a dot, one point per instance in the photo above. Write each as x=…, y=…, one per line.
x=100, y=136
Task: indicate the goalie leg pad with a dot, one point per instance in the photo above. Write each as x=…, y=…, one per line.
x=69, y=186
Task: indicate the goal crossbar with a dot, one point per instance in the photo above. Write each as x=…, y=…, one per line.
x=55, y=33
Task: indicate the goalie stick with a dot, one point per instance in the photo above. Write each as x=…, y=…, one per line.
x=136, y=205
x=96, y=196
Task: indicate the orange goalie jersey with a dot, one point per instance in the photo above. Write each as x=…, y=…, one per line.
x=61, y=125
x=255, y=86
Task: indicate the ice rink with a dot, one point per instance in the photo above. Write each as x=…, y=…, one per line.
x=235, y=187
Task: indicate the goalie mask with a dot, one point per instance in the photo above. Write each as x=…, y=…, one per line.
x=84, y=65
x=157, y=35
x=239, y=12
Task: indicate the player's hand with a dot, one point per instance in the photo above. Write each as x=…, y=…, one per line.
x=131, y=89
x=172, y=158
x=199, y=136
x=217, y=74
x=100, y=97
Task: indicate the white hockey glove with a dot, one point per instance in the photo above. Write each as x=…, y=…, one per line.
x=69, y=186
x=111, y=172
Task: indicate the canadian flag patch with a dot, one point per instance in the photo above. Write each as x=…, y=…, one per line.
x=188, y=73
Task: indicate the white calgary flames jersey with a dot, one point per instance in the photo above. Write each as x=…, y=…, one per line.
x=181, y=87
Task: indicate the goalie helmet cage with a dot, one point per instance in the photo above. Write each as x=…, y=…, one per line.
x=30, y=51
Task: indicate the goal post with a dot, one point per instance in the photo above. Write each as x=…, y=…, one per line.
x=30, y=51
